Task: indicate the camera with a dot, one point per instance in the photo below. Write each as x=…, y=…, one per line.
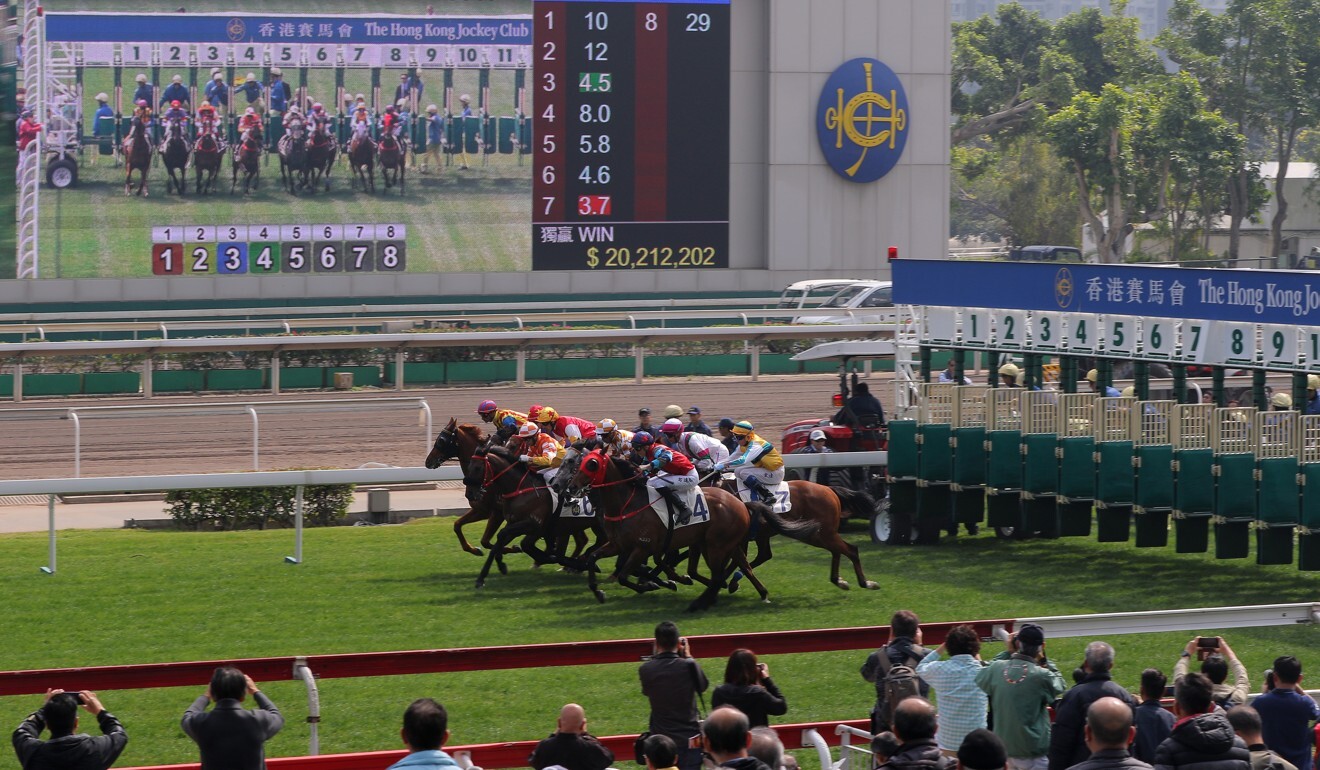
x=1206, y=646
x=1269, y=679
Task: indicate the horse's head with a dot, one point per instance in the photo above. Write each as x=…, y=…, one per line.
x=567, y=468
x=445, y=446
x=591, y=470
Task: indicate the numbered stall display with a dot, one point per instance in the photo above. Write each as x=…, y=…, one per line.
x=628, y=175
x=266, y=249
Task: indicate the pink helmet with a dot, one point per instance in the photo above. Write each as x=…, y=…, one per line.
x=317, y=107
x=672, y=425
x=485, y=407
x=142, y=102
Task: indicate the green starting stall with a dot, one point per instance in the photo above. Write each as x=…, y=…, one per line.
x=1308, y=530
x=1153, y=472
x=970, y=411
x=1003, y=462
x=1115, y=460
x=1233, y=441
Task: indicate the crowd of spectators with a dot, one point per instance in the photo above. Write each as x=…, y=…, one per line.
x=985, y=715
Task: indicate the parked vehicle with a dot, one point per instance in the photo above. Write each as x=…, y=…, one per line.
x=809, y=294
x=877, y=296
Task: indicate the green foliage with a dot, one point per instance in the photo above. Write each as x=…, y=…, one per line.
x=1017, y=190
x=257, y=508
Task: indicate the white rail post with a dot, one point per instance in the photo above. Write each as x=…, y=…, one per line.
x=275, y=372
x=147, y=367
x=49, y=569
x=639, y=363
x=296, y=558
x=427, y=425
x=520, y=363
x=77, y=443
x=756, y=362
x=301, y=671
x=256, y=439
x=398, y=370
x=18, y=379
x=812, y=738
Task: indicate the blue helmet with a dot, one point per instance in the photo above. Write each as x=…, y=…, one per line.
x=509, y=422
x=643, y=439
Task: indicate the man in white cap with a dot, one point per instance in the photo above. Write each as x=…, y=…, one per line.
x=176, y=91
x=101, y=127
x=251, y=91
x=435, y=133
x=144, y=89
x=464, y=113
x=280, y=93
x=217, y=91
x=1312, y=394
x=817, y=444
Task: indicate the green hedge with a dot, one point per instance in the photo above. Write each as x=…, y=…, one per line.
x=228, y=509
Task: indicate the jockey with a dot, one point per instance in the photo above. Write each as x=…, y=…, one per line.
x=320, y=119
x=701, y=448
x=390, y=123
x=491, y=413
x=361, y=122
x=175, y=114
x=756, y=462
x=669, y=471
x=249, y=120
x=27, y=129
x=570, y=430
x=293, y=115
x=615, y=440
x=143, y=112
x=208, y=123
x=539, y=450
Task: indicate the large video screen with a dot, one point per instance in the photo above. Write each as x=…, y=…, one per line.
x=232, y=138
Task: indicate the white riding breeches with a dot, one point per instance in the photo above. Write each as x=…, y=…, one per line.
x=769, y=479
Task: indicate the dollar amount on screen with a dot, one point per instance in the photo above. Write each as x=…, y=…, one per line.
x=651, y=258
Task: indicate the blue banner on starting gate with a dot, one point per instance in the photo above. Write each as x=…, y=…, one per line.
x=287, y=28
x=1251, y=296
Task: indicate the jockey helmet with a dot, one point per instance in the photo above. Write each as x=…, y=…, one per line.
x=389, y=108
x=608, y=426
x=360, y=97
x=101, y=97
x=142, y=102
x=533, y=412
x=177, y=79
x=528, y=430
x=673, y=410
x=485, y=406
x=743, y=427
x=176, y=103
x=206, y=108
x=547, y=414
x=141, y=78
x=318, y=107
x=25, y=114
x=642, y=438
x=250, y=111
x=509, y=422
x=672, y=425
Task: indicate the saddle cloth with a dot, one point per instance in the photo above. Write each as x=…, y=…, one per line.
x=582, y=510
x=696, y=502
x=781, y=504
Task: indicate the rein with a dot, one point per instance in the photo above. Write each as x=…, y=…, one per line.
x=518, y=489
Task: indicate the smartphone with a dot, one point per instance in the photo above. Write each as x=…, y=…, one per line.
x=1208, y=642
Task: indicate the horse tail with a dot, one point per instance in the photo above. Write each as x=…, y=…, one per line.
x=803, y=530
x=854, y=502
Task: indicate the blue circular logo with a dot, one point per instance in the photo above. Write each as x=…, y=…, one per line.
x=862, y=120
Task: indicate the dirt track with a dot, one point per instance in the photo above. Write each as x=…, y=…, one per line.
x=147, y=445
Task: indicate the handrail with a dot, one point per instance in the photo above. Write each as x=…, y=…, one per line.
x=493, y=756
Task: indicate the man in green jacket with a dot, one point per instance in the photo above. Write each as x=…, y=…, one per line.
x=1021, y=684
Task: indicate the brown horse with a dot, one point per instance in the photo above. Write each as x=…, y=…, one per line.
x=137, y=156
x=207, y=154
x=321, y=153
x=818, y=511
x=619, y=494
x=362, y=162
x=527, y=505
x=393, y=156
x=175, y=153
x=460, y=442
x=247, y=156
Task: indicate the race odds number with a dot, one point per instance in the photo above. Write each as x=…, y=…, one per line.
x=267, y=249
x=632, y=135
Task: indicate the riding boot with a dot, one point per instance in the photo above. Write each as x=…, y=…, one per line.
x=683, y=514
x=758, y=489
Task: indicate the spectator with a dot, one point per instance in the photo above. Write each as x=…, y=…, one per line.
x=425, y=730
x=1068, y=739
x=1246, y=723
x=767, y=747
x=816, y=444
x=1109, y=732
x=903, y=649
x=229, y=736
x=1286, y=712
x=982, y=750
x=748, y=688
x=1021, y=685
x=28, y=128
x=862, y=409
x=727, y=438
x=1153, y=721
x=408, y=84
x=1202, y=738
x=571, y=746
x=644, y=423
x=176, y=91
x=659, y=753
x=914, y=727
x=695, y=425
x=726, y=735
x=68, y=749
x=280, y=92
x=962, y=704
x=883, y=746
x=1216, y=667
x=671, y=680
x=948, y=375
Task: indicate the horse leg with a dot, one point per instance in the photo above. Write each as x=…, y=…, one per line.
x=505, y=536
x=608, y=549
x=852, y=555
x=233, y=185
x=763, y=552
x=718, y=561
x=740, y=560
x=636, y=559
x=472, y=515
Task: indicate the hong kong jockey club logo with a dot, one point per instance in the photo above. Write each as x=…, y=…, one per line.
x=1064, y=287
x=862, y=120
x=236, y=29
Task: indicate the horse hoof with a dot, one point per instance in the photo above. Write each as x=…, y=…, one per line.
x=843, y=584
x=871, y=585
x=504, y=569
x=671, y=585
x=684, y=579
x=647, y=587
x=765, y=599
x=475, y=551
x=600, y=596
x=481, y=584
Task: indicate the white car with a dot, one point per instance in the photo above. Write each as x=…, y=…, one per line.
x=869, y=301
x=810, y=294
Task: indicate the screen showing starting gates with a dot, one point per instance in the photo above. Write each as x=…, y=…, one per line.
x=233, y=139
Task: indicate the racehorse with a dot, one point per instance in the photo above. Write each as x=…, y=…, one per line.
x=175, y=153
x=618, y=493
x=207, y=155
x=247, y=156
x=137, y=155
x=362, y=161
x=527, y=504
x=461, y=442
x=393, y=154
x=293, y=157
x=817, y=510
x=321, y=153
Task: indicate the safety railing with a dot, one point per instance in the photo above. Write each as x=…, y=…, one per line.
x=250, y=409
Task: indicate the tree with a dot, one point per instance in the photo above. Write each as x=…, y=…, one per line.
x=996, y=68
x=1018, y=190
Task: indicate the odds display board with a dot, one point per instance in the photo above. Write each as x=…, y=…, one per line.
x=1242, y=318
x=536, y=135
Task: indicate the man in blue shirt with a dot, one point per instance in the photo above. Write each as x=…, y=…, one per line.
x=251, y=90
x=1286, y=714
x=1312, y=396
x=435, y=131
x=103, y=129
x=144, y=89
x=280, y=93
x=176, y=91
x=1109, y=392
x=217, y=91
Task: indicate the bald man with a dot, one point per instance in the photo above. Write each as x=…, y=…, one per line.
x=571, y=746
x=1109, y=731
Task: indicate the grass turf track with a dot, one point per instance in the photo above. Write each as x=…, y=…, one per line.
x=132, y=597
x=474, y=220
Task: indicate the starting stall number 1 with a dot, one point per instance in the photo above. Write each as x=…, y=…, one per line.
x=268, y=249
